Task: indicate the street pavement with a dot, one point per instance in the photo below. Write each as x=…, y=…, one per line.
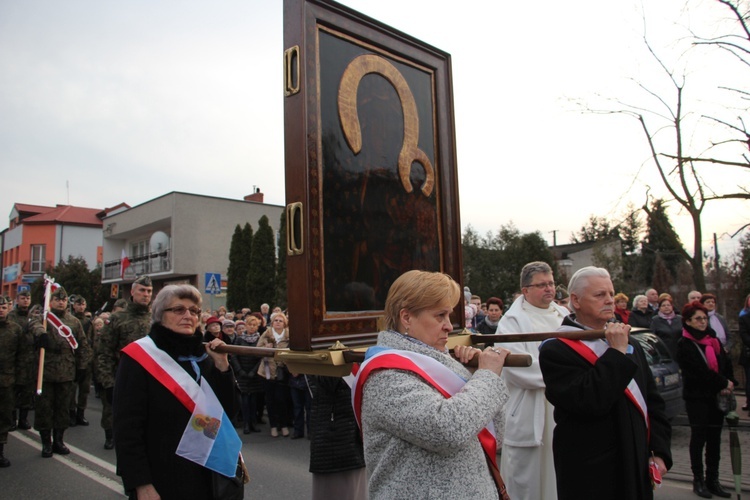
x=278, y=466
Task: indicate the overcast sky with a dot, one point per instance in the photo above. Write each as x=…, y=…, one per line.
x=104, y=102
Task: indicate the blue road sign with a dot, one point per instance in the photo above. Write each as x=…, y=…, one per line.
x=23, y=288
x=213, y=283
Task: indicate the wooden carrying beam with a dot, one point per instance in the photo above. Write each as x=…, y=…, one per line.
x=539, y=336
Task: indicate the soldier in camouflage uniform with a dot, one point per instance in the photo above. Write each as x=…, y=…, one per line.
x=26, y=372
x=123, y=328
x=82, y=384
x=61, y=361
x=10, y=341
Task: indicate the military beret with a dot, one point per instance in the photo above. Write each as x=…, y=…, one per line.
x=3, y=300
x=59, y=293
x=24, y=293
x=143, y=280
x=79, y=299
x=121, y=303
x=561, y=292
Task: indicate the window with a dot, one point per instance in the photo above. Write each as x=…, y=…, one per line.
x=139, y=248
x=38, y=254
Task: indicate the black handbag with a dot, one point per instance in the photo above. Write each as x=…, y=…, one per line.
x=229, y=488
x=282, y=373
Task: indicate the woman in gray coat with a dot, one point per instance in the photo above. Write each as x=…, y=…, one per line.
x=426, y=420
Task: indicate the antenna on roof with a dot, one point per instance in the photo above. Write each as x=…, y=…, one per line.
x=67, y=190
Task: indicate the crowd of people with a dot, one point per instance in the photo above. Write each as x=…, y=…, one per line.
x=426, y=422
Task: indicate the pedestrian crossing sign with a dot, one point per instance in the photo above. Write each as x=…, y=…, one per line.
x=213, y=283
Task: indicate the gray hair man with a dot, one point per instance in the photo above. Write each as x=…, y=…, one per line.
x=527, y=463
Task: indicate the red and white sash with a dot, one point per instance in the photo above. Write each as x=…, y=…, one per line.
x=431, y=371
x=591, y=351
x=62, y=329
x=209, y=438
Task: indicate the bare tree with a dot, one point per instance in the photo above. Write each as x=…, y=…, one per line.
x=680, y=169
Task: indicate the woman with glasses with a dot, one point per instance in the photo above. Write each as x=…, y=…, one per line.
x=706, y=372
x=171, y=393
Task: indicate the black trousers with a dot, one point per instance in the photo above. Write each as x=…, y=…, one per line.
x=706, y=422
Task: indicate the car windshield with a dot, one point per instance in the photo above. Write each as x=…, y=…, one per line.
x=656, y=351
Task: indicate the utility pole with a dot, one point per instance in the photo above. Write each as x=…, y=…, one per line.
x=554, y=237
x=718, y=277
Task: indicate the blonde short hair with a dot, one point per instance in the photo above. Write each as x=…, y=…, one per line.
x=416, y=291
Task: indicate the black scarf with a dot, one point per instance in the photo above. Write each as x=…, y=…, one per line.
x=176, y=344
x=699, y=334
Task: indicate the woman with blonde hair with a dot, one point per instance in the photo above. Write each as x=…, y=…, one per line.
x=426, y=420
x=276, y=376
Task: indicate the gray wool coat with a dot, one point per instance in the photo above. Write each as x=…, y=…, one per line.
x=418, y=444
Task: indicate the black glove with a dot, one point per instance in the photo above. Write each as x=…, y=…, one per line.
x=42, y=341
x=80, y=375
x=109, y=394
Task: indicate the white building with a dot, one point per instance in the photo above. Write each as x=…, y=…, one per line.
x=178, y=237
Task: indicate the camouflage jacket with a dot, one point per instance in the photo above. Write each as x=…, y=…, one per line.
x=10, y=345
x=123, y=328
x=88, y=331
x=20, y=317
x=26, y=369
x=60, y=360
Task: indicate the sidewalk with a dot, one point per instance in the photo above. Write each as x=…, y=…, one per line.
x=681, y=456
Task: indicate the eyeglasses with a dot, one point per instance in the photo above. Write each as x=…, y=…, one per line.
x=700, y=318
x=542, y=286
x=180, y=310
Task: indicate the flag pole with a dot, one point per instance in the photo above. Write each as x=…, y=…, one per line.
x=40, y=373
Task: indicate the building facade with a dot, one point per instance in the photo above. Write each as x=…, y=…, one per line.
x=38, y=237
x=178, y=238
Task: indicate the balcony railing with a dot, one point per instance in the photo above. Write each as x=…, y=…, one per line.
x=157, y=262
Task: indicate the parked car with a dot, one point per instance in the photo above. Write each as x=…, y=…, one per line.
x=664, y=369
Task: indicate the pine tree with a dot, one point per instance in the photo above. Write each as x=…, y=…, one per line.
x=661, y=241
x=281, y=299
x=247, y=246
x=262, y=272
x=236, y=274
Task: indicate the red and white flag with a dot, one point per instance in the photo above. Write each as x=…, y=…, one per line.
x=124, y=263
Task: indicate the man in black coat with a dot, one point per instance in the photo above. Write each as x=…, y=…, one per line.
x=611, y=427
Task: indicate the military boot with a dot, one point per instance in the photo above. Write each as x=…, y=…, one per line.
x=57, y=443
x=46, y=443
x=72, y=418
x=109, y=440
x=13, y=418
x=4, y=462
x=23, y=420
x=80, y=419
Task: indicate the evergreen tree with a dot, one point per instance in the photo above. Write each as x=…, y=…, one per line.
x=247, y=247
x=75, y=277
x=492, y=264
x=281, y=299
x=661, y=243
x=262, y=272
x=237, y=273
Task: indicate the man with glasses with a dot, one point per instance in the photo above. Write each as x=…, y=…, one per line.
x=123, y=328
x=66, y=351
x=527, y=463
